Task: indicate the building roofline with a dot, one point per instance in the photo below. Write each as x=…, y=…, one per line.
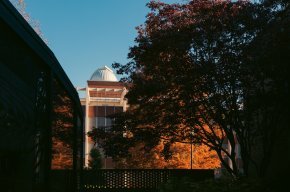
x=106, y=83
x=13, y=19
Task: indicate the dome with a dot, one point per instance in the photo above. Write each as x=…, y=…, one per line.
x=104, y=74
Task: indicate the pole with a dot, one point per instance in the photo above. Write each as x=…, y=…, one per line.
x=191, y=137
x=191, y=154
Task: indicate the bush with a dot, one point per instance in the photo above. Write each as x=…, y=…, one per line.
x=96, y=159
x=221, y=185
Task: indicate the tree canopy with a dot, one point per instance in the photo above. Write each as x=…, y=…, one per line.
x=195, y=76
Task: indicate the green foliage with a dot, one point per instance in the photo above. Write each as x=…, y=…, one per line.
x=96, y=159
x=220, y=185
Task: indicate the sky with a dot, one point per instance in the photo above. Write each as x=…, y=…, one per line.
x=88, y=34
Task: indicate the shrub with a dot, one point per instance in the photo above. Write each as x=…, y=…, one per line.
x=221, y=185
x=96, y=159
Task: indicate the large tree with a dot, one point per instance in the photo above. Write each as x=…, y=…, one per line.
x=186, y=74
x=194, y=78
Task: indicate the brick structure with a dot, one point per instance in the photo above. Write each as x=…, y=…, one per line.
x=104, y=95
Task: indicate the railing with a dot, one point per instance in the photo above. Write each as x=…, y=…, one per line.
x=137, y=179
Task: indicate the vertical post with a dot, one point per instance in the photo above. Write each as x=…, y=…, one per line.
x=49, y=130
x=191, y=150
x=87, y=152
x=75, y=148
x=191, y=153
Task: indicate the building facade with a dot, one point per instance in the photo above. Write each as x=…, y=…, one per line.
x=41, y=117
x=104, y=96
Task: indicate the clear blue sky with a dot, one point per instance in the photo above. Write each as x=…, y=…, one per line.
x=88, y=34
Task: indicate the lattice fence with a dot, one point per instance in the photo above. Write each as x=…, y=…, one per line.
x=130, y=179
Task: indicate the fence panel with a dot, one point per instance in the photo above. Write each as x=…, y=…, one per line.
x=141, y=180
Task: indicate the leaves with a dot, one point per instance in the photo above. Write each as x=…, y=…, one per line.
x=187, y=73
x=20, y=5
x=198, y=74
x=95, y=161
x=179, y=157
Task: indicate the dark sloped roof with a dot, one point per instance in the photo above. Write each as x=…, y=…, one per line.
x=13, y=19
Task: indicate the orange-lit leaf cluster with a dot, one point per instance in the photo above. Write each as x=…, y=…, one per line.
x=203, y=158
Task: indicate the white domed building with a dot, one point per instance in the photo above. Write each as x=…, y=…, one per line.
x=104, y=74
x=104, y=96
